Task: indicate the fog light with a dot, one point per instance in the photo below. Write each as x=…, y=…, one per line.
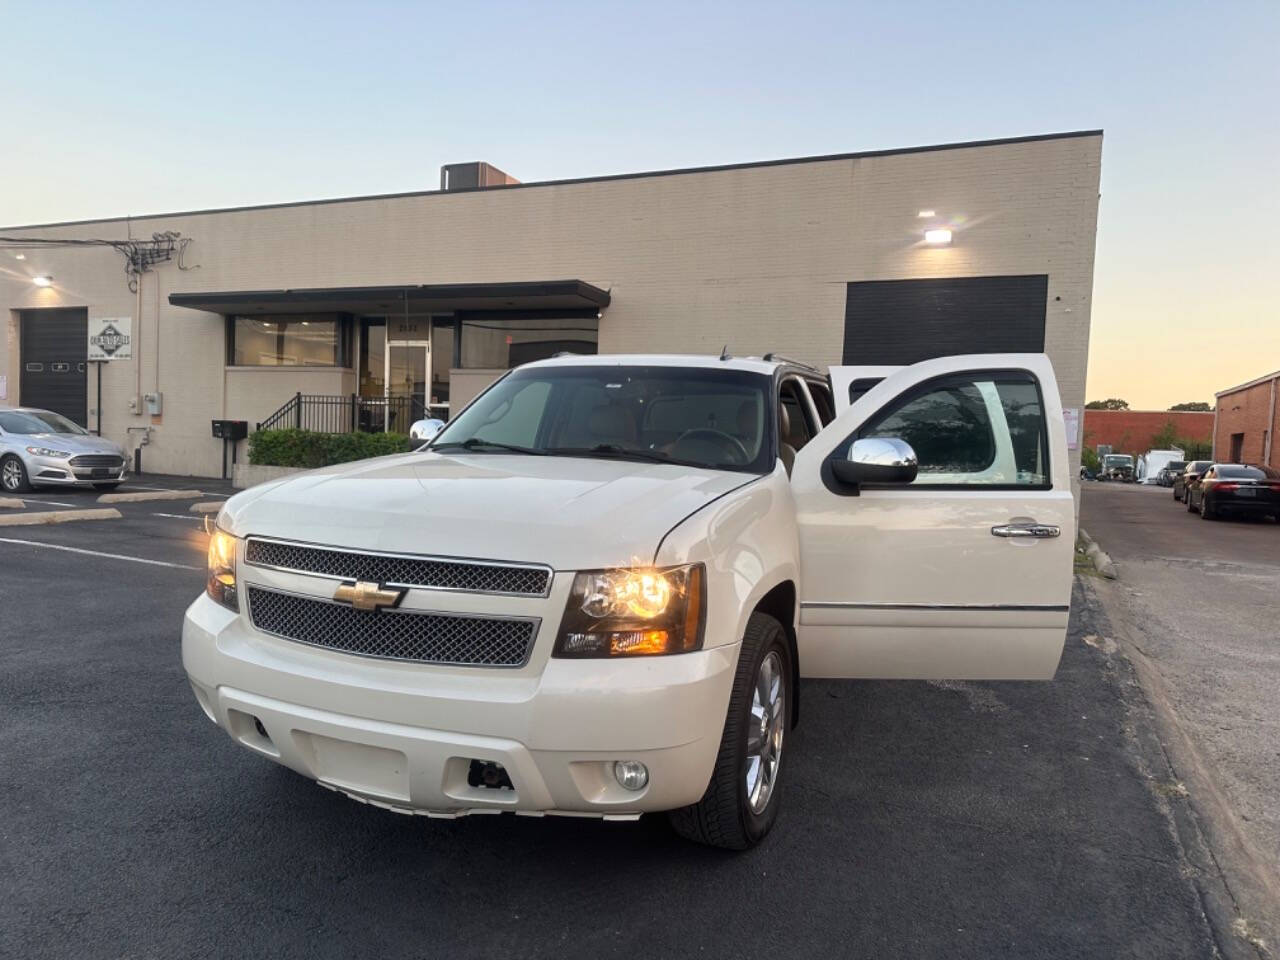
x=631, y=774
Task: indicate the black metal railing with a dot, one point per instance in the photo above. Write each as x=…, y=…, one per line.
x=350, y=414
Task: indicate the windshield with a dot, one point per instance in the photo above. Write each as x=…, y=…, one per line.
x=1175, y=465
x=1118, y=460
x=1199, y=466
x=37, y=421
x=687, y=415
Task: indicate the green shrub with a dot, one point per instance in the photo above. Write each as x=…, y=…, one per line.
x=306, y=448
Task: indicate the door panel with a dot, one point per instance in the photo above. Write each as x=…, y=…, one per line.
x=408, y=374
x=926, y=580
x=53, y=346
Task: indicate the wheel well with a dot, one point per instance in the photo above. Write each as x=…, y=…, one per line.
x=780, y=603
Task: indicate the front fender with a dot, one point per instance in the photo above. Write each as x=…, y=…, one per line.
x=749, y=543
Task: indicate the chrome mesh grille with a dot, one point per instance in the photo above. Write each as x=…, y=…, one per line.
x=97, y=460
x=394, y=634
x=402, y=571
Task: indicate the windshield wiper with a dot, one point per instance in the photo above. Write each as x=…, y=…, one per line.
x=480, y=443
x=612, y=450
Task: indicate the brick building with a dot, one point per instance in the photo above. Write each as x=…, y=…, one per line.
x=381, y=308
x=1245, y=422
x=1134, y=431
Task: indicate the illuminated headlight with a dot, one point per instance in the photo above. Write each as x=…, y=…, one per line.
x=46, y=452
x=634, y=612
x=221, y=584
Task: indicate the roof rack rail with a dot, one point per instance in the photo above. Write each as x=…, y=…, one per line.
x=779, y=358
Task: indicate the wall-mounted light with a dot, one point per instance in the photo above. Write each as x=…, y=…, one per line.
x=43, y=281
x=926, y=213
x=937, y=238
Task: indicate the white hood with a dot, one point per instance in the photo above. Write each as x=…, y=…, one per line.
x=571, y=513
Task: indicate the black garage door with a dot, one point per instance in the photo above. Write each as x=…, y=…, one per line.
x=53, y=347
x=905, y=321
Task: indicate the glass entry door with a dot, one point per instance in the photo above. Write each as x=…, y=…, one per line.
x=408, y=374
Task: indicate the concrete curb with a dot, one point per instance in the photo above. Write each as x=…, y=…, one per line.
x=11, y=504
x=211, y=506
x=149, y=495
x=1098, y=557
x=57, y=516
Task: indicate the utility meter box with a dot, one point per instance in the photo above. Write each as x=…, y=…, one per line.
x=154, y=403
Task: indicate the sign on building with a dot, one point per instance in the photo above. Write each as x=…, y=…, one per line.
x=110, y=338
x=1071, y=417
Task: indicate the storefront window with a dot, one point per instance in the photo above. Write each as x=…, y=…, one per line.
x=295, y=340
x=509, y=342
x=373, y=351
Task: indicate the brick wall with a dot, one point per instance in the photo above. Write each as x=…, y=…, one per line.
x=1251, y=411
x=1134, y=431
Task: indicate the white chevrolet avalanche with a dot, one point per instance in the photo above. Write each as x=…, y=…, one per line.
x=595, y=592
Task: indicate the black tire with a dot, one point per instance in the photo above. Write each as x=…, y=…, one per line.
x=13, y=475
x=107, y=487
x=723, y=817
x=1186, y=496
x=1206, y=510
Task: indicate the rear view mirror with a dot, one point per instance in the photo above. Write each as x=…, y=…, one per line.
x=423, y=432
x=877, y=460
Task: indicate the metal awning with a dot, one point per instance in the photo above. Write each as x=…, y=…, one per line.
x=519, y=296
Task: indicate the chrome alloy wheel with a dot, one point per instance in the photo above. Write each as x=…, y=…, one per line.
x=765, y=727
x=12, y=476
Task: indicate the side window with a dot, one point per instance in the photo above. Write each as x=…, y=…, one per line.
x=820, y=393
x=972, y=429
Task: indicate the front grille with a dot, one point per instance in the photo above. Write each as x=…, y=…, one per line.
x=97, y=460
x=400, y=570
x=454, y=639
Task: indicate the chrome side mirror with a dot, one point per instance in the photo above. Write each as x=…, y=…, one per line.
x=877, y=460
x=423, y=432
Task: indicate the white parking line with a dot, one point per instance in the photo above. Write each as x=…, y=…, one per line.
x=52, y=503
x=99, y=553
x=179, y=516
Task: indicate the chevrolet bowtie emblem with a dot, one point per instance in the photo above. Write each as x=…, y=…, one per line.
x=368, y=596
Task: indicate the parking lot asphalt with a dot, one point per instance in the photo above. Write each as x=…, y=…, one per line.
x=1202, y=599
x=919, y=819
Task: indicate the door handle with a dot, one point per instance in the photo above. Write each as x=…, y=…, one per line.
x=1036, y=531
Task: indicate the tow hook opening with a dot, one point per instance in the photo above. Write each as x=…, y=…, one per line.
x=488, y=775
x=252, y=732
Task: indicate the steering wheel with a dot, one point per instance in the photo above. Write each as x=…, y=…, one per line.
x=724, y=442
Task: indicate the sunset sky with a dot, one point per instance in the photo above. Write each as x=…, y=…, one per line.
x=111, y=109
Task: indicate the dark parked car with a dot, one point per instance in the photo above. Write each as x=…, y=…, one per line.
x=1189, y=475
x=1170, y=472
x=1237, y=489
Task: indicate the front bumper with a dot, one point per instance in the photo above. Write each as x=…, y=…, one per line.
x=59, y=471
x=403, y=735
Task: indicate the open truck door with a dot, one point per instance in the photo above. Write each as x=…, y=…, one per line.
x=958, y=565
